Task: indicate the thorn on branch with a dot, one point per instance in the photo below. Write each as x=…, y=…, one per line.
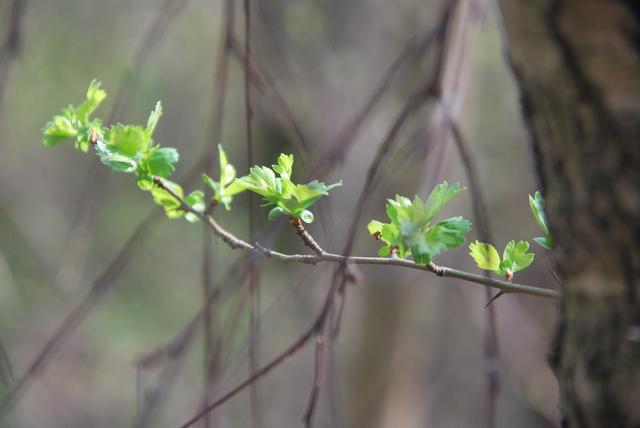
x=494, y=298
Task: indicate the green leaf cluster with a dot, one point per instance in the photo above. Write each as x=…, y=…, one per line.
x=411, y=233
x=75, y=123
x=514, y=258
x=276, y=188
x=225, y=189
x=123, y=148
x=536, y=202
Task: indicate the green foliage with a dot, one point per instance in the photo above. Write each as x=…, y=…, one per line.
x=289, y=198
x=514, y=258
x=410, y=231
x=537, y=208
x=124, y=148
x=172, y=207
x=74, y=123
x=225, y=189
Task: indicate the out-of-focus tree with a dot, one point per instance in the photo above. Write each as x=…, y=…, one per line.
x=577, y=64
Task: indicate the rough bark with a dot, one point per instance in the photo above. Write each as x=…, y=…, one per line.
x=577, y=64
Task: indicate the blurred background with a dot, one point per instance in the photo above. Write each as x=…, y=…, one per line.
x=329, y=80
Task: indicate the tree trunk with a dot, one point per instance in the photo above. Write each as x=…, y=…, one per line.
x=577, y=64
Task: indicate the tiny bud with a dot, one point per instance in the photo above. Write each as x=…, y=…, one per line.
x=93, y=136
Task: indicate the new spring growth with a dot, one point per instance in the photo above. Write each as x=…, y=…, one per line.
x=411, y=232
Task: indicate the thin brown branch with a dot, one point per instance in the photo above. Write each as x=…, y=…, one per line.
x=412, y=51
x=207, y=289
x=318, y=376
x=442, y=271
x=481, y=219
x=263, y=82
x=252, y=272
x=293, y=349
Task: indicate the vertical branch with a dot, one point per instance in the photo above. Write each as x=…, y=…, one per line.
x=415, y=102
x=10, y=47
x=318, y=375
x=253, y=274
x=221, y=67
x=207, y=279
x=481, y=219
x=220, y=86
x=454, y=76
x=6, y=369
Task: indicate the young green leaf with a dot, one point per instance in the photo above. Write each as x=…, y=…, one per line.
x=225, y=189
x=514, y=258
x=536, y=202
x=62, y=127
x=284, y=166
x=410, y=232
x=127, y=140
x=153, y=119
x=196, y=200
x=159, y=161
x=276, y=188
x=95, y=96
x=439, y=197
x=485, y=255
x=74, y=123
x=375, y=227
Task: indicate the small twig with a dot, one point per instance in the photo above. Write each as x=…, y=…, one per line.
x=305, y=236
x=6, y=369
x=318, y=377
x=446, y=272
